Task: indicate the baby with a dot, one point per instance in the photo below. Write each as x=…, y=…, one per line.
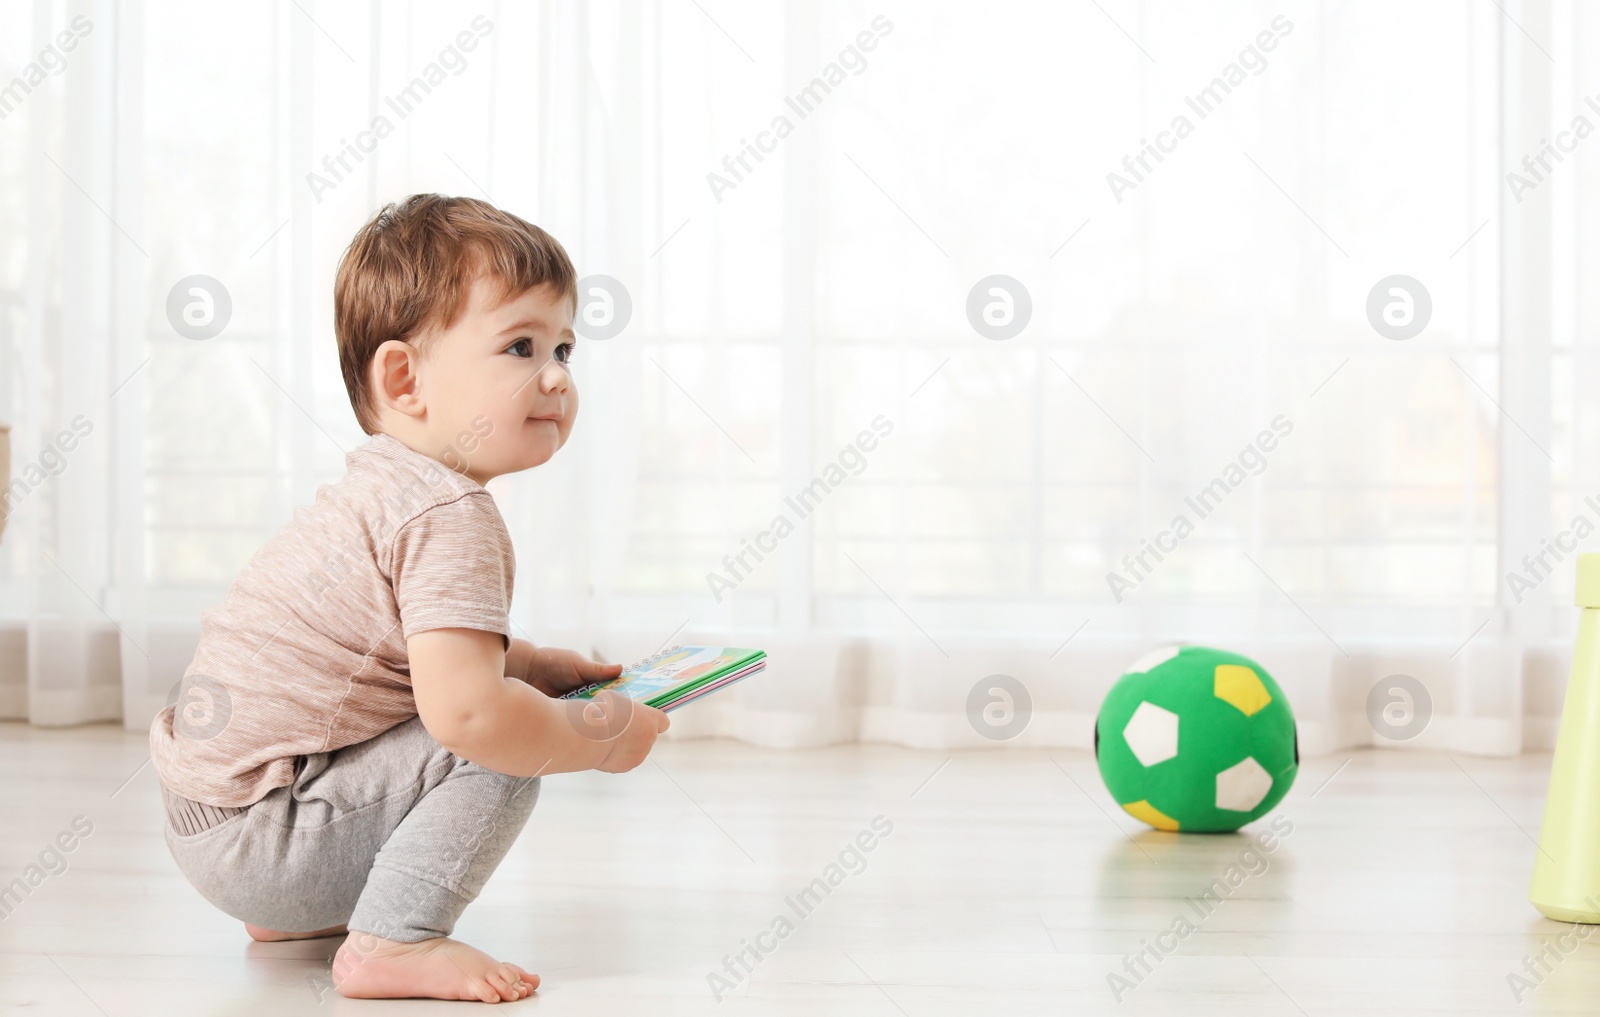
x=359, y=739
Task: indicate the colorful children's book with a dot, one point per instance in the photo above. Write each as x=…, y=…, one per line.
x=680, y=675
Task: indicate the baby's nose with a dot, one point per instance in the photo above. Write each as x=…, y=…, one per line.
x=554, y=378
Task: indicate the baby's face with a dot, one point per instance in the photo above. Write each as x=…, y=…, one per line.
x=499, y=394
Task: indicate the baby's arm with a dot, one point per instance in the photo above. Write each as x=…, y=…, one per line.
x=472, y=708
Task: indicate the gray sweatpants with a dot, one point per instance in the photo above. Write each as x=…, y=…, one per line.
x=394, y=836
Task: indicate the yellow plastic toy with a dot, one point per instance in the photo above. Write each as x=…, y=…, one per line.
x=1566, y=871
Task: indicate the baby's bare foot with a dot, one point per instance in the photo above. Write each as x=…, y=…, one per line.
x=261, y=935
x=367, y=967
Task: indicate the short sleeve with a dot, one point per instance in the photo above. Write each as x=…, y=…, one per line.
x=452, y=568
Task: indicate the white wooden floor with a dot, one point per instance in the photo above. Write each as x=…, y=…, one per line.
x=1009, y=885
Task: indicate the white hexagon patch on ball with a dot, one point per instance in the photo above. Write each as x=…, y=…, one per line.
x=1241, y=787
x=1152, y=734
x=1154, y=659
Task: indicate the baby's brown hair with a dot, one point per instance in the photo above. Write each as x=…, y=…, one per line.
x=410, y=269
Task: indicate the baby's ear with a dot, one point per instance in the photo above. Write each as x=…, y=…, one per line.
x=392, y=378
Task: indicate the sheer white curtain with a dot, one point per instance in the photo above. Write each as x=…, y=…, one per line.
x=800, y=440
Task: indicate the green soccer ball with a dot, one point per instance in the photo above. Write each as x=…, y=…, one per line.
x=1196, y=739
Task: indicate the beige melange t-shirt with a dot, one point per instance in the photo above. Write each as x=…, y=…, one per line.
x=307, y=651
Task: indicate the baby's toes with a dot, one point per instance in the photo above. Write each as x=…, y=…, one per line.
x=486, y=991
x=482, y=988
x=531, y=981
x=504, y=983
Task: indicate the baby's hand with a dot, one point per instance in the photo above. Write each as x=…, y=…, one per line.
x=555, y=671
x=628, y=725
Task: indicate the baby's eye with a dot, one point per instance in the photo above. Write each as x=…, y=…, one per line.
x=564, y=353
x=521, y=348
